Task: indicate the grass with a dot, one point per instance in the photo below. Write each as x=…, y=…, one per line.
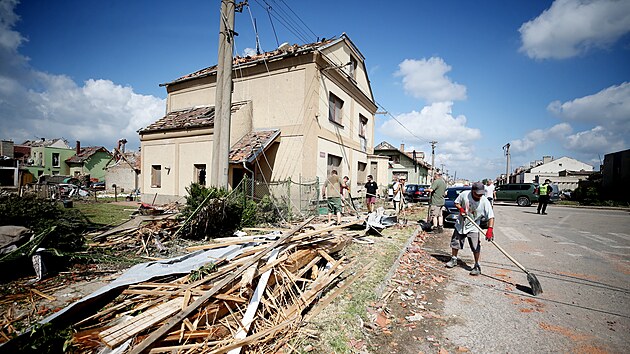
x=342, y=320
x=104, y=213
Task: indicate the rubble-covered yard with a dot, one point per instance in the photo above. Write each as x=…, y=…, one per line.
x=306, y=286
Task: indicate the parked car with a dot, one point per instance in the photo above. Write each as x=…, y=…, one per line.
x=524, y=194
x=451, y=213
x=417, y=193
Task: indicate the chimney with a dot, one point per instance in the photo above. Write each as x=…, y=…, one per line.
x=547, y=159
x=402, y=147
x=78, y=147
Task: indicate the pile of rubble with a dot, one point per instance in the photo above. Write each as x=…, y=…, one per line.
x=249, y=293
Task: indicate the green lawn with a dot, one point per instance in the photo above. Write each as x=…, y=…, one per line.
x=104, y=213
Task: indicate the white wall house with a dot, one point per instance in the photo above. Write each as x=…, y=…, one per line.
x=553, y=169
x=298, y=112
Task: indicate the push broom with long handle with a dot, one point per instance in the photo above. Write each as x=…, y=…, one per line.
x=534, y=284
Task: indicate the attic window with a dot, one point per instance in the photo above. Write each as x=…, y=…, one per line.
x=352, y=68
x=335, y=105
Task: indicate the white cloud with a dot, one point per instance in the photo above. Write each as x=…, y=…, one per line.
x=249, y=52
x=37, y=104
x=609, y=107
x=434, y=122
x=538, y=136
x=426, y=79
x=572, y=27
x=595, y=141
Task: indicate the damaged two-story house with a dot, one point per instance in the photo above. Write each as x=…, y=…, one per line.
x=298, y=112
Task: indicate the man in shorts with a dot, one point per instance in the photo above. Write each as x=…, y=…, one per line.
x=474, y=204
x=371, y=191
x=330, y=191
x=437, y=190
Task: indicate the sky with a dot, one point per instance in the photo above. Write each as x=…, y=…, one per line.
x=551, y=78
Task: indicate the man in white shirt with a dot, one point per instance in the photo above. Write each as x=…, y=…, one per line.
x=474, y=204
x=490, y=193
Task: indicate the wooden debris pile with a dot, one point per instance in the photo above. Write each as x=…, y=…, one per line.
x=144, y=233
x=255, y=302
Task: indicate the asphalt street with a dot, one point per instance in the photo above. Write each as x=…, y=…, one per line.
x=581, y=258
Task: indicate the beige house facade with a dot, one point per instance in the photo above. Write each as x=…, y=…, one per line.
x=298, y=112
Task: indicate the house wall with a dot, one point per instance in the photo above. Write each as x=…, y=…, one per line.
x=291, y=94
x=93, y=166
x=123, y=176
x=616, y=176
x=176, y=153
x=45, y=166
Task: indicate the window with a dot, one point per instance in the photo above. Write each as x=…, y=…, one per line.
x=362, y=128
x=362, y=172
x=352, y=68
x=156, y=176
x=335, y=104
x=362, y=125
x=55, y=159
x=200, y=173
x=334, y=163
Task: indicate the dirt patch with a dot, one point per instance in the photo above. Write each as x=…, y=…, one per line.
x=413, y=302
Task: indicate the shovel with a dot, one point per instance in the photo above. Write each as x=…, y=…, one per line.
x=534, y=284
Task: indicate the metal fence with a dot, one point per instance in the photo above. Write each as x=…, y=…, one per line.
x=300, y=198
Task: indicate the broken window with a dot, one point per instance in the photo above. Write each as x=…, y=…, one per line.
x=352, y=68
x=200, y=173
x=362, y=128
x=362, y=172
x=335, y=104
x=55, y=159
x=156, y=176
x=334, y=163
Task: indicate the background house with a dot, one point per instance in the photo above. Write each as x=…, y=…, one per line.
x=402, y=163
x=565, y=172
x=123, y=170
x=47, y=157
x=616, y=176
x=316, y=97
x=88, y=161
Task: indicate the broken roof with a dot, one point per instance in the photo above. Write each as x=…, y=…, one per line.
x=196, y=117
x=85, y=154
x=45, y=143
x=282, y=52
x=252, y=144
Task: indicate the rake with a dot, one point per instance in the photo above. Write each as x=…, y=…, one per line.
x=534, y=284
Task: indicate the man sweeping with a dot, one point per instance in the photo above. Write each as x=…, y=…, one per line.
x=474, y=204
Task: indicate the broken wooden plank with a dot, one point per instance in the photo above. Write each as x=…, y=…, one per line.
x=248, y=317
x=153, y=337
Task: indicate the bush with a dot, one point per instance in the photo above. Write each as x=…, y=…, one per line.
x=216, y=214
x=40, y=215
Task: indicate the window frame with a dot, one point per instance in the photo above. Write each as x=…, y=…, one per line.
x=156, y=176
x=335, y=109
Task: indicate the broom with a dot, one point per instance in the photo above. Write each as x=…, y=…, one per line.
x=534, y=284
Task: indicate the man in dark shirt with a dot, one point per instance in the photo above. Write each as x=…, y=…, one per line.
x=437, y=189
x=371, y=190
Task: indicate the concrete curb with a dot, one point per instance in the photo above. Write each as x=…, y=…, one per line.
x=592, y=207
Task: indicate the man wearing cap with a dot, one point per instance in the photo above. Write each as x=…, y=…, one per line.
x=437, y=190
x=474, y=204
x=544, y=193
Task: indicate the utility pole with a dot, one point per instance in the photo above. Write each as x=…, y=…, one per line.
x=506, y=149
x=223, y=100
x=432, y=159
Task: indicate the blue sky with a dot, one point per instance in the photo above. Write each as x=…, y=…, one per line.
x=548, y=77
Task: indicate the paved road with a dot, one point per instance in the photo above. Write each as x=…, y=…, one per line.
x=582, y=260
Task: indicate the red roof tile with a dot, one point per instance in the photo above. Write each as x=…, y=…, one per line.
x=197, y=117
x=252, y=144
x=85, y=154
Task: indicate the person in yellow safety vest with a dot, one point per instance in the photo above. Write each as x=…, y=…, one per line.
x=544, y=192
